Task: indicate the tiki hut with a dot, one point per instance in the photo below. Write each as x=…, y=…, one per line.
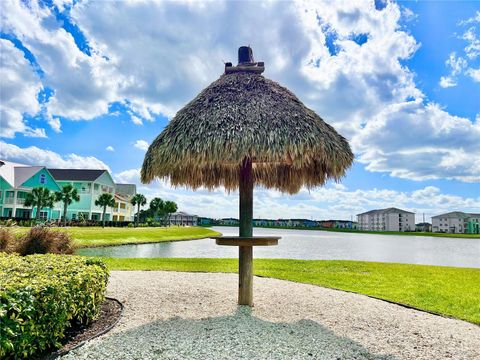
x=245, y=130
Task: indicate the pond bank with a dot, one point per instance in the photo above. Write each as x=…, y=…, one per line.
x=443, y=290
x=403, y=233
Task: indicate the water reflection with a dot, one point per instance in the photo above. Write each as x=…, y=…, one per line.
x=310, y=245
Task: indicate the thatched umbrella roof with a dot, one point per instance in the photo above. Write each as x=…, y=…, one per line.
x=244, y=115
x=243, y=130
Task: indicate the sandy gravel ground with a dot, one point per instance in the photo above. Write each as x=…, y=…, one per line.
x=173, y=315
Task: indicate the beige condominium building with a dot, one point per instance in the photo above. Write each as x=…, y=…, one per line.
x=123, y=209
x=456, y=222
x=390, y=219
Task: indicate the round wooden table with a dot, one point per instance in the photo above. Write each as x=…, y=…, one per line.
x=245, y=263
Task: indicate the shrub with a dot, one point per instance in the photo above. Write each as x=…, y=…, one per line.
x=130, y=225
x=42, y=240
x=42, y=295
x=6, y=239
x=9, y=223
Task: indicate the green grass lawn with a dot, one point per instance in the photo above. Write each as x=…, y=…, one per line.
x=109, y=236
x=448, y=291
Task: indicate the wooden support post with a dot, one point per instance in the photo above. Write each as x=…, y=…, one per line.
x=245, y=260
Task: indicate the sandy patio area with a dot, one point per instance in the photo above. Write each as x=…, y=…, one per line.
x=176, y=315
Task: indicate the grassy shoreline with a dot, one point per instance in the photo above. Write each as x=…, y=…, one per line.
x=447, y=291
x=413, y=233
x=112, y=236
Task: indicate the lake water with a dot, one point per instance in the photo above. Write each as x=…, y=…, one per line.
x=317, y=245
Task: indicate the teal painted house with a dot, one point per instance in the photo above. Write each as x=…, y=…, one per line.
x=90, y=184
x=16, y=180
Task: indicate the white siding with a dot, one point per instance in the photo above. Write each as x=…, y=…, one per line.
x=387, y=220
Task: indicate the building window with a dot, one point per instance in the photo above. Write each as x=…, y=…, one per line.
x=43, y=215
x=43, y=179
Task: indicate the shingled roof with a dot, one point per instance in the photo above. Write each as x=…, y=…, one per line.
x=76, y=174
x=386, y=211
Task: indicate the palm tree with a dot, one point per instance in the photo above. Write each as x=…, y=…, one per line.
x=169, y=207
x=40, y=198
x=67, y=195
x=105, y=200
x=156, y=205
x=140, y=201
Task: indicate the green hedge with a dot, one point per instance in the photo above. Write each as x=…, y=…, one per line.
x=42, y=295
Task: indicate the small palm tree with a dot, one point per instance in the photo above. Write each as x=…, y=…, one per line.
x=156, y=205
x=168, y=208
x=68, y=195
x=40, y=198
x=105, y=200
x=140, y=201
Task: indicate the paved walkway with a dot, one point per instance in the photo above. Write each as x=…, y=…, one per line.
x=174, y=315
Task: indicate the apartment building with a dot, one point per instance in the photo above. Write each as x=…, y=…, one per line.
x=390, y=219
x=456, y=222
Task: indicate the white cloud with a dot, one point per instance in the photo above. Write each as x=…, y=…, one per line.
x=154, y=57
x=460, y=65
x=141, y=144
x=473, y=19
x=474, y=74
x=55, y=124
x=333, y=201
x=136, y=120
x=472, y=50
x=19, y=89
x=83, y=85
x=447, y=81
x=109, y=148
x=457, y=64
x=35, y=156
x=415, y=142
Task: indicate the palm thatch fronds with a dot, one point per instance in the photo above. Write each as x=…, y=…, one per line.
x=244, y=115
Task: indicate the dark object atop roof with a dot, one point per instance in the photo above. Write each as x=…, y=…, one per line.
x=76, y=174
x=246, y=63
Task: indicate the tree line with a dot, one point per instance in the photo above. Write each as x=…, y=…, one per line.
x=41, y=198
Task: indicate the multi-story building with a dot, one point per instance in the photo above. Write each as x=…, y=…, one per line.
x=123, y=209
x=456, y=222
x=390, y=219
x=16, y=180
x=90, y=184
x=423, y=226
x=182, y=218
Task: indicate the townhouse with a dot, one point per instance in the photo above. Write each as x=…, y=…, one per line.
x=16, y=180
x=123, y=209
x=182, y=218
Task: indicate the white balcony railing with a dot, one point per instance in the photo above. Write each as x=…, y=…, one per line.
x=9, y=200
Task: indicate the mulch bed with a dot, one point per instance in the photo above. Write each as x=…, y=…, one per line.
x=110, y=314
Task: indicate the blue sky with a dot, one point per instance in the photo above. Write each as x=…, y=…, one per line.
x=91, y=84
